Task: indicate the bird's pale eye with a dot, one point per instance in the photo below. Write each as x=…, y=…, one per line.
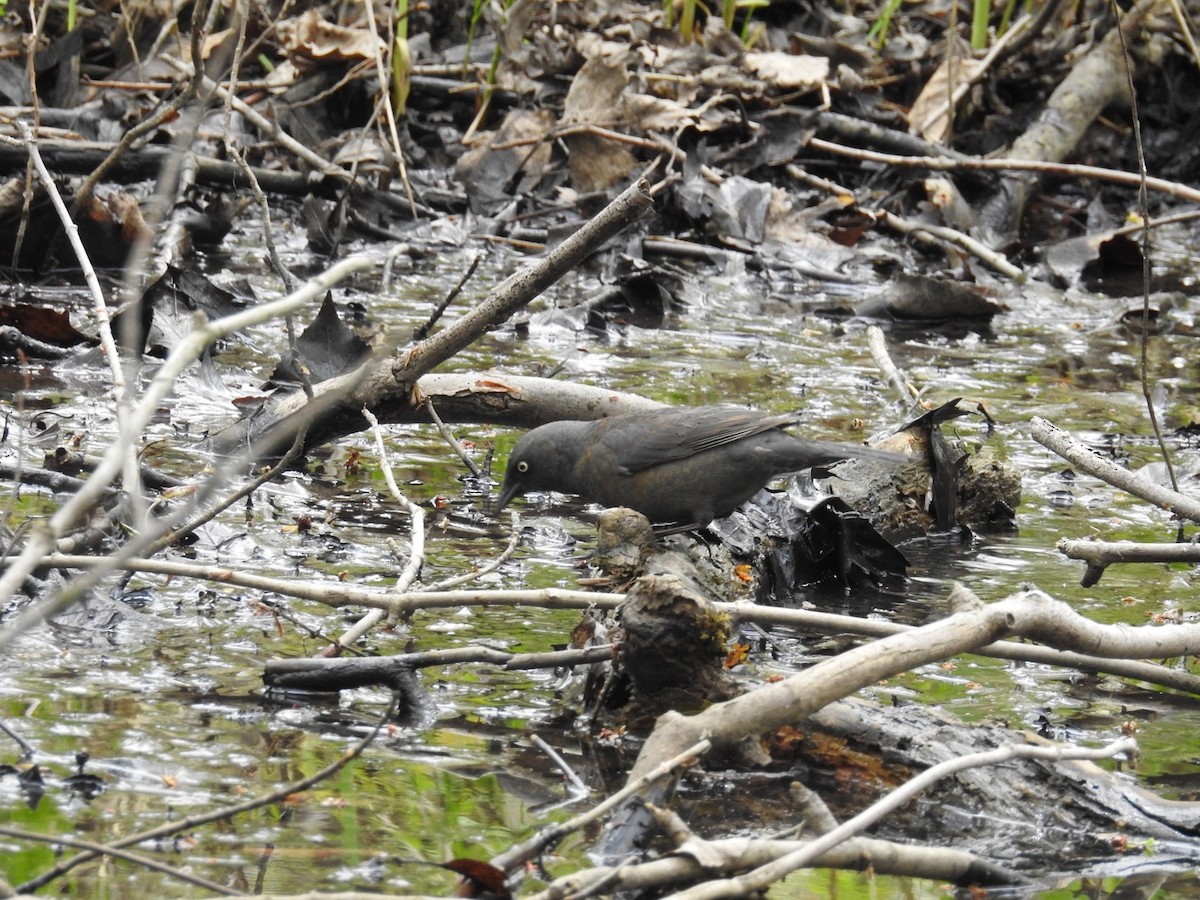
x=523, y=467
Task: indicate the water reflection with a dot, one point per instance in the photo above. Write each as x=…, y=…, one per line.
x=167, y=700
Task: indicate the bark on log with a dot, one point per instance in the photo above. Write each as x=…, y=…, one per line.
x=1094, y=804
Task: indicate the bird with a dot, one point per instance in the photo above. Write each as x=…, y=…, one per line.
x=678, y=466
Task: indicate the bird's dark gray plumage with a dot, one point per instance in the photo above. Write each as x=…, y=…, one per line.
x=684, y=465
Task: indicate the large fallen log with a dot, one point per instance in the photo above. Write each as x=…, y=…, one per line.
x=1034, y=816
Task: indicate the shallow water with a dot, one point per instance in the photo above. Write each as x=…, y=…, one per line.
x=166, y=698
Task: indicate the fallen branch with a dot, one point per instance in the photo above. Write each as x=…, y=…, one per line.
x=695, y=861
x=1174, y=189
x=764, y=876
x=1053, y=438
x=1100, y=554
x=339, y=595
x=389, y=387
x=1031, y=614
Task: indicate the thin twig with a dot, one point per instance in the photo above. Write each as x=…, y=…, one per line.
x=99, y=310
x=385, y=98
x=1114, y=176
x=578, y=788
x=26, y=748
x=1144, y=213
x=389, y=261
x=935, y=234
x=514, y=541
x=877, y=344
x=416, y=557
x=552, y=834
x=450, y=438
x=258, y=120
x=264, y=210
x=954, y=238
x=421, y=332
x=99, y=305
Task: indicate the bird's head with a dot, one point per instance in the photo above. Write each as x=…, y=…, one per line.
x=542, y=460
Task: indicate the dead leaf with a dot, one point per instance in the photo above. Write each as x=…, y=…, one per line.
x=737, y=655
x=494, y=159
x=790, y=71
x=312, y=37
x=929, y=116
x=46, y=325
x=125, y=209
x=651, y=113
x=213, y=41
x=479, y=877
x=596, y=92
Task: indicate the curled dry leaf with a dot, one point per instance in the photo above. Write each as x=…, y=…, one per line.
x=929, y=116
x=311, y=36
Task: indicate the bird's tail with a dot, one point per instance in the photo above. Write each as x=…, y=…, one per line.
x=820, y=453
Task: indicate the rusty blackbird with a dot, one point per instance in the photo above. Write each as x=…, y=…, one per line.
x=679, y=465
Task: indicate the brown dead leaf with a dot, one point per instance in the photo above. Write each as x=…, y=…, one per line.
x=785, y=741
x=125, y=210
x=582, y=633
x=790, y=71
x=598, y=163
x=311, y=36
x=929, y=114
x=594, y=97
x=46, y=325
x=651, y=113
x=213, y=41
x=479, y=878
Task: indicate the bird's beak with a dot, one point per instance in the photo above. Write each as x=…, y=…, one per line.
x=510, y=490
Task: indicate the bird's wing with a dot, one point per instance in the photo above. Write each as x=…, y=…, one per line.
x=683, y=433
